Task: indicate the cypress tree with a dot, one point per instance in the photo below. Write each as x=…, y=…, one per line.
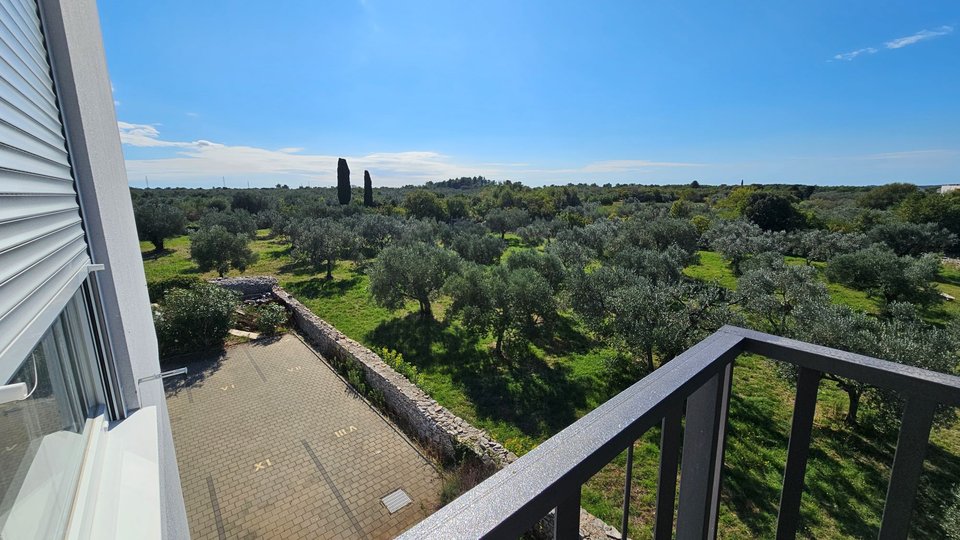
x=343, y=181
x=367, y=189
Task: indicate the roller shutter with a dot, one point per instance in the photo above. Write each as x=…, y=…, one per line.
x=43, y=250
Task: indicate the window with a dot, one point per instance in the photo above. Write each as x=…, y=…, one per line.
x=43, y=437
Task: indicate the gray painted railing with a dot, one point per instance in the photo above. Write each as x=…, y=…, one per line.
x=695, y=385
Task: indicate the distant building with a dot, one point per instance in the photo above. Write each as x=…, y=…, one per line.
x=949, y=188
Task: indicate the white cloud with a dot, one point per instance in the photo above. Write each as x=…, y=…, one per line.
x=918, y=37
x=191, y=114
x=853, y=54
x=198, y=161
x=896, y=43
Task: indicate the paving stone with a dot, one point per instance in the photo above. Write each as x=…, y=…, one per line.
x=249, y=421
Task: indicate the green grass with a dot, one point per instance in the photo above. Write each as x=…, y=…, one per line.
x=559, y=379
x=713, y=268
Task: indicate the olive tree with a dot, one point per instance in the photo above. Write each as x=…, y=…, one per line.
x=322, y=242
x=882, y=274
x=477, y=248
x=411, y=271
x=157, y=221
x=504, y=220
x=505, y=302
x=771, y=291
x=645, y=318
x=216, y=248
x=234, y=221
x=737, y=240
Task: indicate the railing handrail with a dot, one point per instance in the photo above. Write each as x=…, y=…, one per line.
x=911, y=380
x=514, y=499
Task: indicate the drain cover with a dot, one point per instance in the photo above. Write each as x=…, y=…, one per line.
x=396, y=500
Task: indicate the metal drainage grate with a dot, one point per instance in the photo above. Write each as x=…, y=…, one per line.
x=396, y=500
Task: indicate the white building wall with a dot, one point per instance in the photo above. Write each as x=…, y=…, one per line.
x=73, y=36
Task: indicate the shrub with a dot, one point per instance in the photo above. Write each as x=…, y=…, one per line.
x=951, y=518
x=194, y=319
x=395, y=360
x=218, y=249
x=157, y=289
x=463, y=478
x=270, y=317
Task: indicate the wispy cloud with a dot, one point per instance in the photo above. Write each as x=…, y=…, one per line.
x=922, y=35
x=196, y=161
x=897, y=43
x=853, y=54
x=938, y=153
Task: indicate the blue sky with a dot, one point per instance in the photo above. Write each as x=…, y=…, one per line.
x=551, y=92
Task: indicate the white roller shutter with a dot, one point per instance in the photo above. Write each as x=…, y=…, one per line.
x=43, y=251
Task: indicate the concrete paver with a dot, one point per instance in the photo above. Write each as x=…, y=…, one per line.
x=272, y=444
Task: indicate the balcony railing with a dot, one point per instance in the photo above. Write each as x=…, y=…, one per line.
x=696, y=385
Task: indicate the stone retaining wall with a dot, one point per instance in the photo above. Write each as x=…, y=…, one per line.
x=248, y=287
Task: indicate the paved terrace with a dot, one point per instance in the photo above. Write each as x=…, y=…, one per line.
x=272, y=444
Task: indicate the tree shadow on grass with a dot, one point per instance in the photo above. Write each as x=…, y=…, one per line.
x=156, y=254
x=298, y=268
x=941, y=474
x=751, y=433
x=200, y=365
x=565, y=338
x=828, y=482
x=279, y=253
x=537, y=398
x=320, y=287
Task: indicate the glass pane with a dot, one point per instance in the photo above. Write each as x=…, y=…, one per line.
x=42, y=438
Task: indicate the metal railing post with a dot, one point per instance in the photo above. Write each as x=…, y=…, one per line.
x=625, y=519
x=703, y=446
x=907, y=466
x=667, y=476
x=798, y=449
x=566, y=526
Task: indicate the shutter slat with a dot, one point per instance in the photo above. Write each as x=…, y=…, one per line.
x=21, y=160
x=25, y=207
x=25, y=231
x=28, y=13
x=17, y=261
x=43, y=249
x=19, y=182
x=24, y=49
x=15, y=27
x=48, y=132
x=16, y=91
x=17, y=138
x=23, y=78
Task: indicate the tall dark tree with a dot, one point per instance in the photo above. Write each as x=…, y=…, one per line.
x=343, y=181
x=367, y=189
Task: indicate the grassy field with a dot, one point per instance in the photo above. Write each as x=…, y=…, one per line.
x=562, y=378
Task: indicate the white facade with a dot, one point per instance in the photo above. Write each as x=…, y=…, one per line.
x=90, y=450
x=948, y=188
